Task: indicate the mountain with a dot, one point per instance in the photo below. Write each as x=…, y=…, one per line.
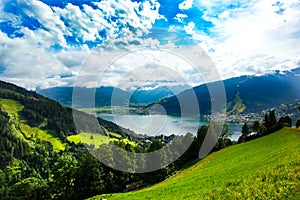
x=265, y=168
x=150, y=95
x=103, y=96
x=245, y=94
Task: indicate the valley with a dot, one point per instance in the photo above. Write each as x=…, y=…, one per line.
x=149, y=100
x=40, y=135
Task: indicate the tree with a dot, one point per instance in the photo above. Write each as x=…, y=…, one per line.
x=262, y=129
x=285, y=121
x=267, y=121
x=270, y=121
x=64, y=172
x=226, y=133
x=255, y=126
x=223, y=139
x=155, y=145
x=272, y=118
x=201, y=133
x=298, y=123
x=30, y=188
x=245, y=130
x=89, y=179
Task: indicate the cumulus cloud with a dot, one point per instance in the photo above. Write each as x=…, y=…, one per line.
x=53, y=42
x=186, y=4
x=254, y=38
x=180, y=17
x=189, y=29
x=142, y=67
x=47, y=46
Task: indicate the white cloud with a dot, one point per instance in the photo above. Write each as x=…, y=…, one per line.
x=186, y=4
x=224, y=14
x=180, y=17
x=138, y=68
x=23, y=62
x=31, y=61
x=252, y=39
x=50, y=20
x=189, y=29
x=247, y=37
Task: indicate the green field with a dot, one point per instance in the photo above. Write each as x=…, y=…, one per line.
x=265, y=168
x=97, y=139
x=13, y=108
x=89, y=138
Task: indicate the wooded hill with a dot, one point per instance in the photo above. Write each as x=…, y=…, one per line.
x=245, y=94
x=43, y=155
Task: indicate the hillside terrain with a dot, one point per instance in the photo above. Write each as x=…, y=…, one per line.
x=265, y=168
x=245, y=94
x=44, y=156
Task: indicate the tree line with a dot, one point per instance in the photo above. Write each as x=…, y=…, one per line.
x=269, y=125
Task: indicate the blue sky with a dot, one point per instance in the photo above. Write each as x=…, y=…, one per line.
x=46, y=43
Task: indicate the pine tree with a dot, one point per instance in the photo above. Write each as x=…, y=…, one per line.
x=245, y=130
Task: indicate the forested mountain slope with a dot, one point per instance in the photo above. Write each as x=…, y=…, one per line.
x=245, y=94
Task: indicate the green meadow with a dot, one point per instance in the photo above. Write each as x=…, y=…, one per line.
x=13, y=108
x=89, y=138
x=265, y=168
x=97, y=139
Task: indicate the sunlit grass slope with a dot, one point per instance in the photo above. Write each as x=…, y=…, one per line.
x=89, y=138
x=97, y=139
x=265, y=168
x=13, y=108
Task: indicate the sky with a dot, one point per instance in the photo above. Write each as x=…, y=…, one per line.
x=51, y=43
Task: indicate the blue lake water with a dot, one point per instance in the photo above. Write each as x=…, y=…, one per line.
x=163, y=124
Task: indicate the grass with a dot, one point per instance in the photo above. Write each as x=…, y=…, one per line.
x=45, y=135
x=96, y=139
x=13, y=108
x=89, y=138
x=265, y=168
x=116, y=135
x=126, y=141
x=237, y=105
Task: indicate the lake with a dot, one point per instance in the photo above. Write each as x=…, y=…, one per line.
x=163, y=124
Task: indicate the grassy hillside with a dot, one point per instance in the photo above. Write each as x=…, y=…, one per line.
x=12, y=108
x=89, y=138
x=265, y=168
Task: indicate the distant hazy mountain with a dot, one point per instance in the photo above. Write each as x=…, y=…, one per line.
x=146, y=96
x=245, y=94
x=103, y=96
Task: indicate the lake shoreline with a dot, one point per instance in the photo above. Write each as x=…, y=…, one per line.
x=153, y=125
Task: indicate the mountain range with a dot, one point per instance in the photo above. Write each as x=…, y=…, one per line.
x=245, y=94
x=107, y=96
